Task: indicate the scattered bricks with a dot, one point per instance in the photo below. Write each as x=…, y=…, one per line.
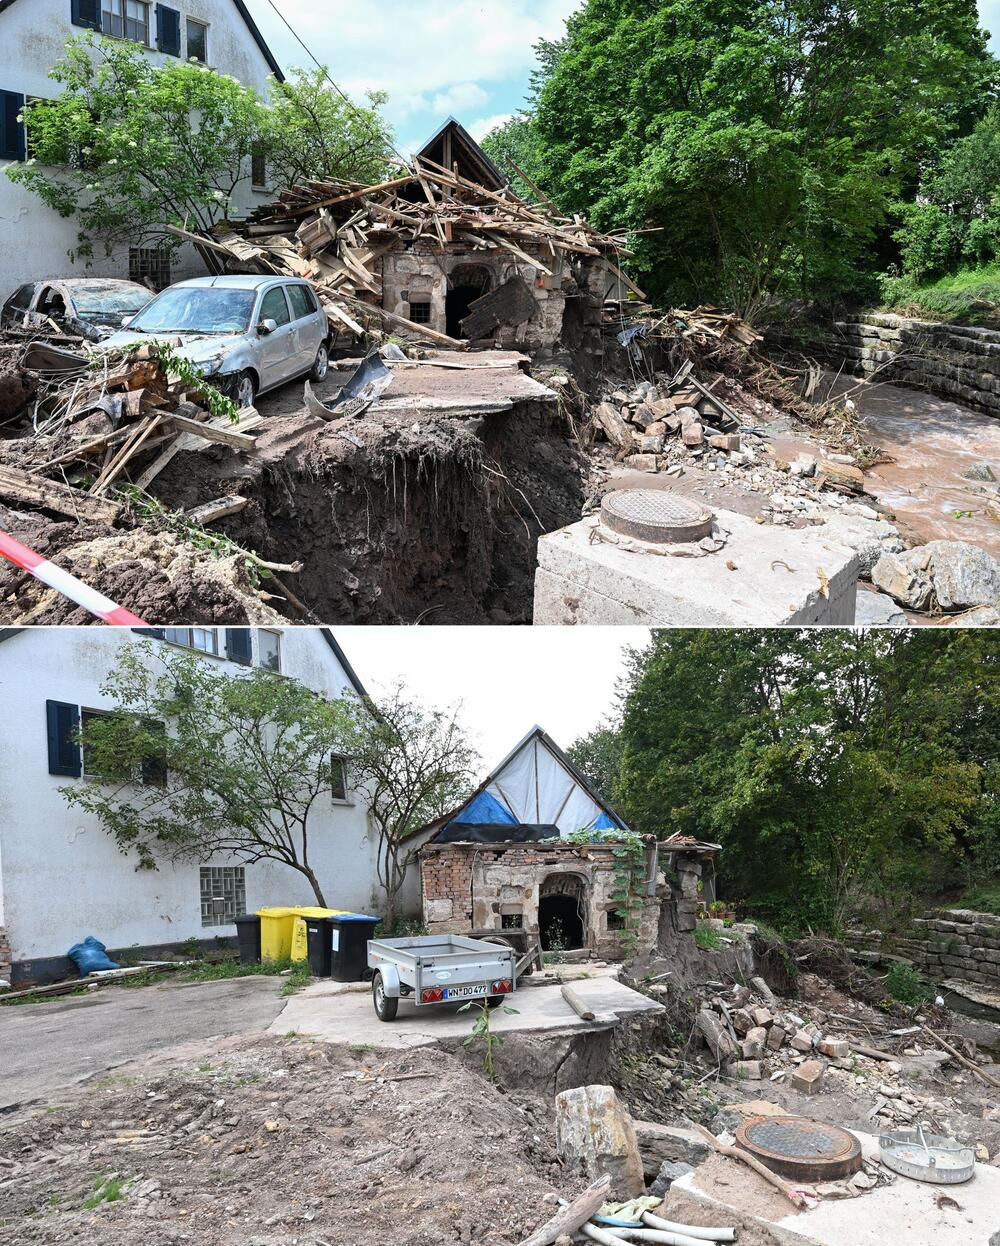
x=651, y=444
x=673, y=423
x=802, y=1041
x=716, y=1035
x=745, y=1070
x=693, y=435
x=642, y=462
x=663, y=407
x=725, y=441
x=742, y=1021
x=754, y=1044
x=835, y=1048
x=763, y=990
x=761, y=1016
x=644, y=416
x=688, y=415
x=808, y=1077
x=775, y=1037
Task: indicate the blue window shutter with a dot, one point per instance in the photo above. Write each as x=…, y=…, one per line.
x=168, y=30
x=87, y=13
x=12, y=145
x=155, y=632
x=238, y=647
x=64, y=752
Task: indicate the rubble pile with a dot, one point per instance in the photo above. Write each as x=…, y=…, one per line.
x=335, y=234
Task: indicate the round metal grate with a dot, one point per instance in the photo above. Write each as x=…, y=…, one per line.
x=799, y=1148
x=657, y=516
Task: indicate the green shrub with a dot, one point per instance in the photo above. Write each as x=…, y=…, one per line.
x=969, y=296
x=707, y=937
x=905, y=984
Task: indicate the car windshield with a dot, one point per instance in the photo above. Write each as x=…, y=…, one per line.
x=108, y=302
x=197, y=309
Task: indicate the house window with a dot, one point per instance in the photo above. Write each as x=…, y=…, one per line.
x=12, y=137
x=126, y=19
x=86, y=13
x=204, y=639
x=223, y=894
x=269, y=649
x=615, y=921
x=338, y=778
x=197, y=41
x=154, y=769
x=420, y=313
x=149, y=266
x=258, y=170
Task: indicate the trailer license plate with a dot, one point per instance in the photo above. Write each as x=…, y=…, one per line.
x=464, y=992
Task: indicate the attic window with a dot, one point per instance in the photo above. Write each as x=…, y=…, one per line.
x=420, y=313
x=197, y=41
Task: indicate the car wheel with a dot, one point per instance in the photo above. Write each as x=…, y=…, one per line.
x=321, y=364
x=245, y=390
x=385, y=1008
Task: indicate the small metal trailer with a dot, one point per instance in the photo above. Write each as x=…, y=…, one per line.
x=439, y=969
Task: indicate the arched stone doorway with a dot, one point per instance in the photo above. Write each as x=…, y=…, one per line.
x=466, y=283
x=562, y=912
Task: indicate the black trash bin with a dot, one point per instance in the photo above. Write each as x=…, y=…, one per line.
x=318, y=937
x=349, y=945
x=248, y=937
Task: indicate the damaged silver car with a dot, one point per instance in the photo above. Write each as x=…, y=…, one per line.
x=247, y=334
x=87, y=307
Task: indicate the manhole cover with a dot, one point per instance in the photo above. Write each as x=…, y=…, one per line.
x=799, y=1148
x=657, y=516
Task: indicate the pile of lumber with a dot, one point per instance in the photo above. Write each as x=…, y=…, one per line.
x=335, y=233
x=96, y=426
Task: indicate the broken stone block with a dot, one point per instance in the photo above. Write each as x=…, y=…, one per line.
x=693, y=435
x=660, y=1143
x=745, y=1070
x=949, y=574
x=595, y=1135
x=808, y=1077
x=835, y=1048
x=688, y=415
x=725, y=441
x=716, y=1035
x=657, y=428
x=742, y=1021
x=802, y=1041
x=775, y=1038
x=642, y=462
x=670, y=1171
x=644, y=416
x=755, y=1042
x=651, y=444
x=762, y=1016
x=663, y=407
x=763, y=990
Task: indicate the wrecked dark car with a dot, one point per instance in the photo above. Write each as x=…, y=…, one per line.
x=88, y=307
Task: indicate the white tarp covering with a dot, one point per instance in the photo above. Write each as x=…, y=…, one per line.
x=538, y=789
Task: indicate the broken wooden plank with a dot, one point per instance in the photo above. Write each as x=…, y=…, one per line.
x=421, y=330
x=566, y=1221
x=209, y=512
x=30, y=489
x=623, y=277
x=512, y=304
x=211, y=432
x=128, y=451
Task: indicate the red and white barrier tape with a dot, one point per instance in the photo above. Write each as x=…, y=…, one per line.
x=55, y=577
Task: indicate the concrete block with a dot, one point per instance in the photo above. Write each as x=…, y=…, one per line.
x=835, y=1048
x=745, y=1070
x=762, y=1016
x=765, y=576
x=802, y=1041
x=754, y=1044
x=775, y=1037
x=808, y=1077
x=642, y=462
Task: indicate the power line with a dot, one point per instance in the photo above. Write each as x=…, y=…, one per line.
x=326, y=73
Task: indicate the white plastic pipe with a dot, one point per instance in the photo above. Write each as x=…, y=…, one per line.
x=707, y=1235
x=607, y=1237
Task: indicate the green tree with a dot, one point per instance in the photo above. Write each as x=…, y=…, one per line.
x=820, y=760
x=129, y=147
x=765, y=140
x=599, y=756
x=193, y=762
x=415, y=764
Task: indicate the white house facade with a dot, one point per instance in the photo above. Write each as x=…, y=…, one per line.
x=62, y=877
x=35, y=242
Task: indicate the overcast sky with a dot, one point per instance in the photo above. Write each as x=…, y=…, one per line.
x=467, y=58
x=508, y=678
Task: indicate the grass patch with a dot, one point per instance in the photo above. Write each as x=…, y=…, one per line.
x=706, y=937
x=982, y=899
x=106, y=1190
x=218, y=970
x=299, y=977
x=906, y=985
x=970, y=296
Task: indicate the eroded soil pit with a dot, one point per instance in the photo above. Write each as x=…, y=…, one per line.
x=428, y=507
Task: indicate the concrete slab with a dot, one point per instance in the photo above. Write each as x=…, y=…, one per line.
x=765, y=576
x=328, y=1012
x=906, y=1211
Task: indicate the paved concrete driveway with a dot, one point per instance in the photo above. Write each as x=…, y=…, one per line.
x=46, y=1046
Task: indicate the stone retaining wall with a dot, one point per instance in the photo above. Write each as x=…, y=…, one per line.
x=956, y=362
x=949, y=943
x=5, y=956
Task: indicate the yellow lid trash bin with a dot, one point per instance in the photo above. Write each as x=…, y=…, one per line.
x=300, y=938
x=283, y=930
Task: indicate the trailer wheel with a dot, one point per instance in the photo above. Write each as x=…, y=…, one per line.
x=385, y=1008
x=494, y=1001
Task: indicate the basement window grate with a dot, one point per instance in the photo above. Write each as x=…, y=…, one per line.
x=420, y=313
x=149, y=266
x=223, y=894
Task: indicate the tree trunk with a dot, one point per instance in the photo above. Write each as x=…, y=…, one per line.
x=314, y=883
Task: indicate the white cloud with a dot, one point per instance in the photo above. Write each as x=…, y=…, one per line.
x=479, y=129
x=461, y=98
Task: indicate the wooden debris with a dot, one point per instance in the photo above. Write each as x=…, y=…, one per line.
x=30, y=489
x=209, y=512
x=573, y=1215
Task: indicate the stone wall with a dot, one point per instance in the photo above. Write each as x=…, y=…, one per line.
x=5, y=956
x=956, y=362
x=474, y=886
x=949, y=943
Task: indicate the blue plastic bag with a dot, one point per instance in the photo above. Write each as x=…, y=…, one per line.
x=90, y=956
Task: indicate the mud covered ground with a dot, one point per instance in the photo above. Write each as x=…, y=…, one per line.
x=278, y=1142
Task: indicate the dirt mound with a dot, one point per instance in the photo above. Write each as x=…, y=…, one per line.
x=282, y=1142
x=154, y=574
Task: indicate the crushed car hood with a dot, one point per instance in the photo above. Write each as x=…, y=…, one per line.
x=198, y=348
